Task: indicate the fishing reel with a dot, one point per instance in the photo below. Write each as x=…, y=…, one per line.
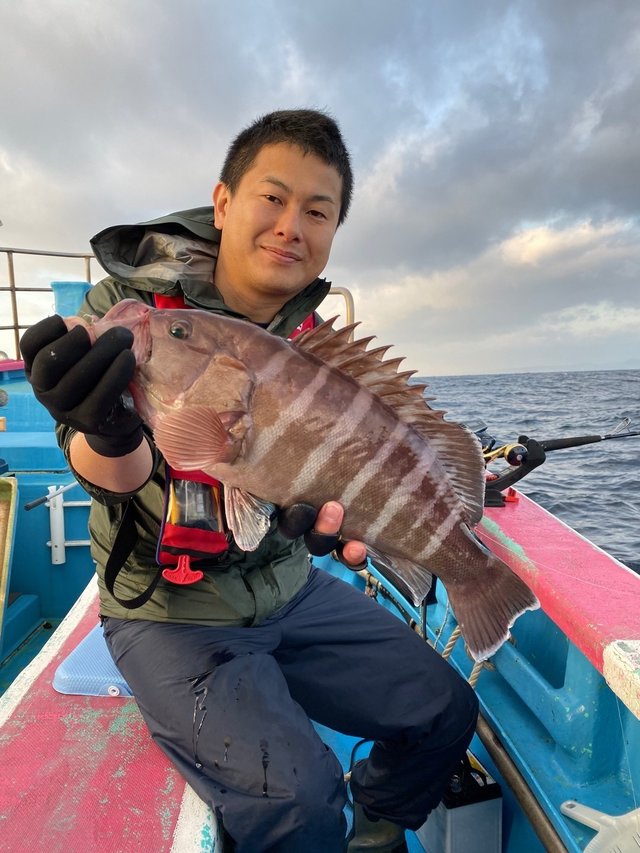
x=521, y=457
x=513, y=454
x=527, y=453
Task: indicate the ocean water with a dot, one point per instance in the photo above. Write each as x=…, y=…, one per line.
x=594, y=488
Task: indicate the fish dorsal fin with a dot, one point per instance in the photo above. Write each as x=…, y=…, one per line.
x=368, y=367
x=460, y=453
x=457, y=448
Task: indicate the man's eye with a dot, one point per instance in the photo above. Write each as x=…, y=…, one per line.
x=317, y=214
x=180, y=330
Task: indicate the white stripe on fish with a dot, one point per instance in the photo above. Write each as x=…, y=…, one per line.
x=341, y=433
x=298, y=409
x=409, y=485
x=372, y=468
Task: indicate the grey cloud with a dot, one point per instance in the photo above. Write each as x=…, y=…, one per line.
x=467, y=121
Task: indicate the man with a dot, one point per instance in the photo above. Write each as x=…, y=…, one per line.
x=228, y=670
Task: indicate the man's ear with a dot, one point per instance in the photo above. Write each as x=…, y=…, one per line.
x=221, y=196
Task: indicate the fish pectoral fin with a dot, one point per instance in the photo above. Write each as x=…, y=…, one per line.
x=412, y=581
x=248, y=517
x=194, y=438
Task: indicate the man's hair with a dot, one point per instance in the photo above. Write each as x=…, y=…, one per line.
x=312, y=131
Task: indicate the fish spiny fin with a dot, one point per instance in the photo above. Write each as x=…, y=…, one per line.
x=368, y=367
x=314, y=338
x=458, y=450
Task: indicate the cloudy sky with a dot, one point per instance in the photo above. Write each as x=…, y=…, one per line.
x=495, y=226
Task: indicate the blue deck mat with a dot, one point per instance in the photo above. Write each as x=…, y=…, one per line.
x=89, y=670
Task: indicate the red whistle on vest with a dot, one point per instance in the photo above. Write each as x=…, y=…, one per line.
x=183, y=574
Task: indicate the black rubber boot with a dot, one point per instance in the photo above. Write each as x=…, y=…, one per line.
x=380, y=836
x=228, y=844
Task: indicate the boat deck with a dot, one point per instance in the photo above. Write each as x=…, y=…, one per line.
x=81, y=772
x=592, y=598
x=13, y=665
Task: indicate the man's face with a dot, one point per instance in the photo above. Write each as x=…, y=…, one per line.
x=277, y=228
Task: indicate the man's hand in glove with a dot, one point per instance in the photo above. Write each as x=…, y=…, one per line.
x=321, y=532
x=81, y=385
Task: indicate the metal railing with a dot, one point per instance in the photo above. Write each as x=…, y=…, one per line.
x=16, y=326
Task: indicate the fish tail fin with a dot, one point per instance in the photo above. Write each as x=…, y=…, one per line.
x=487, y=609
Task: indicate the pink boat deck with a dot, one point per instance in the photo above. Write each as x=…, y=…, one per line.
x=81, y=773
x=592, y=598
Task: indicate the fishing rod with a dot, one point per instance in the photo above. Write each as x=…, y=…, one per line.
x=50, y=496
x=527, y=453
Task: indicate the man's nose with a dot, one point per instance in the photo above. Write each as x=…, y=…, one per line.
x=289, y=223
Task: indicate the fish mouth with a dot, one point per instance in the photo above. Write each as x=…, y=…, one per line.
x=142, y=339
x=140, y=388
x=132, y=315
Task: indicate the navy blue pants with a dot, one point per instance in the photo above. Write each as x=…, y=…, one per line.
x=231, y=707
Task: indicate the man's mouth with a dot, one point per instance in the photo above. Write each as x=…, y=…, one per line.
x=282, y=254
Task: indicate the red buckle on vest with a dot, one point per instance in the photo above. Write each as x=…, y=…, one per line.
x=183, y=574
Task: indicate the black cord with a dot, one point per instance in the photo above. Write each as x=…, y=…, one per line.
x=351, y=760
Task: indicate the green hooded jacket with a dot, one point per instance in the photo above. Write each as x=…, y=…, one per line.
x=175, y=255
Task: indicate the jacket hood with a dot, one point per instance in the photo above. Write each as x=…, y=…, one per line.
x=157, y=254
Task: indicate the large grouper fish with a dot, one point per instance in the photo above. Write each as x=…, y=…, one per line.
x=323, y=418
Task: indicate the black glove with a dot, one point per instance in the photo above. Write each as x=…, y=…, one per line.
x=298, y=520
x=81, y=385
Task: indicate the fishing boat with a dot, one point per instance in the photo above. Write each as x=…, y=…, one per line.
x=555, y=763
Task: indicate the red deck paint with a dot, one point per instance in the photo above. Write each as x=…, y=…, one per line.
x=593, y=598
x=81, y=773
x=11, y=364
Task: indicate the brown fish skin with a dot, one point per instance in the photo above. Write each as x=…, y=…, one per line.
x=275, y=421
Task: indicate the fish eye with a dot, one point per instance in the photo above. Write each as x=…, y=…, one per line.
x=180, y=329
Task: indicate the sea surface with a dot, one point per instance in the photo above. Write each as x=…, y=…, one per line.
x=594, y=488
